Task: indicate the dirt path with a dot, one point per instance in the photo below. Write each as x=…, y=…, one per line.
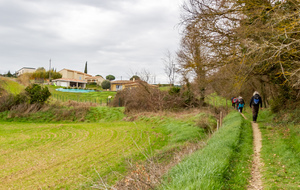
x=255, y=182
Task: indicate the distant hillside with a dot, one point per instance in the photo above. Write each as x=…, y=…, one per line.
x=11, y=86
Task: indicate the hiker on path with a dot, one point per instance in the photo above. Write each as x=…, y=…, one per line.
x=254, y=104
x=237, y=104
x=241, y=104
x=234, y=101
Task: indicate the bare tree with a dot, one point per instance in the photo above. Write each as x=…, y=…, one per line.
x=170, y=68
x=145, y=75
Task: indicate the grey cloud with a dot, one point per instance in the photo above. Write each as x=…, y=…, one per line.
x=122, y=36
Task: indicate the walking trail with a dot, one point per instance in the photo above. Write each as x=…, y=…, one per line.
x=255, y=181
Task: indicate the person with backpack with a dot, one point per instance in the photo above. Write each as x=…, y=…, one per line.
x=254, y=104
x=237, y=104
x=233, y=99
x=241, y=104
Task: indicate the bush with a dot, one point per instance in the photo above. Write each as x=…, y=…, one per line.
x=105, y=84
x=174, y=90
x=145, y=97
x=37, y=94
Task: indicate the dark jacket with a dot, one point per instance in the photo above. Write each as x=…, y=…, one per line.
x=252, y=101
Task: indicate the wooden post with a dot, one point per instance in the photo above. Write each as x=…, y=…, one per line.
x=217, y=124
x=221, y=119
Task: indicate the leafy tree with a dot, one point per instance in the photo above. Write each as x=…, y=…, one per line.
x=37, y=94
x=54, y=74
x=85, y=68
x=40, y=73
x=110, y=77
x=105, y=84
x=9, y=74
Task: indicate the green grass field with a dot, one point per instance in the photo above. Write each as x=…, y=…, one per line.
x=10, y=85
x=38, y=156
x=77, y=155
x=281, y=150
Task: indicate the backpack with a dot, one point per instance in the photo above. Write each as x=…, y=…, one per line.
x=256, y=99
x=241, y=101
x=233, y=100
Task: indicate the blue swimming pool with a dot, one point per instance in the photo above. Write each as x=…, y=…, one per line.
x=74, y=90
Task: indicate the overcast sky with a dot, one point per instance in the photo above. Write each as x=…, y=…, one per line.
x=118, y=37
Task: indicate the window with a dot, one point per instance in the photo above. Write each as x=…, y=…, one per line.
x=119, y=87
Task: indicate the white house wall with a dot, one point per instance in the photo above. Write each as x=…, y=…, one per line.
x=62, y=83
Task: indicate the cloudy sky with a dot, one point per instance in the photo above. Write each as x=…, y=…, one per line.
x=118, y=37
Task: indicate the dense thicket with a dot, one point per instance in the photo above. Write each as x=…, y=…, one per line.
x=240, y=46
x=145, y=97
x=33, y=94
x=41, y=73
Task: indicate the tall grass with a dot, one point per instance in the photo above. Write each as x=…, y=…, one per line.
x=216, y=166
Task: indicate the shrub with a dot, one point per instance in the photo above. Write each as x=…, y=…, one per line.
x=6, y=102
x=174, y=90
x=37, y=94
x=105, y=84
x=145, y=97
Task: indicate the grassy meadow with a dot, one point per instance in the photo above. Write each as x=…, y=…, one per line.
x=280, y=148
x=72, y=155
x=10, y=85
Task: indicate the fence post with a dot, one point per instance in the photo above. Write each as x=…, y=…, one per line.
x=221, y=118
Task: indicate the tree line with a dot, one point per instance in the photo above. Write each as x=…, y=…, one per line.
x=237, y=46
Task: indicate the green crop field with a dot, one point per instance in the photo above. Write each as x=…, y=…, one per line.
x=70, y=156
